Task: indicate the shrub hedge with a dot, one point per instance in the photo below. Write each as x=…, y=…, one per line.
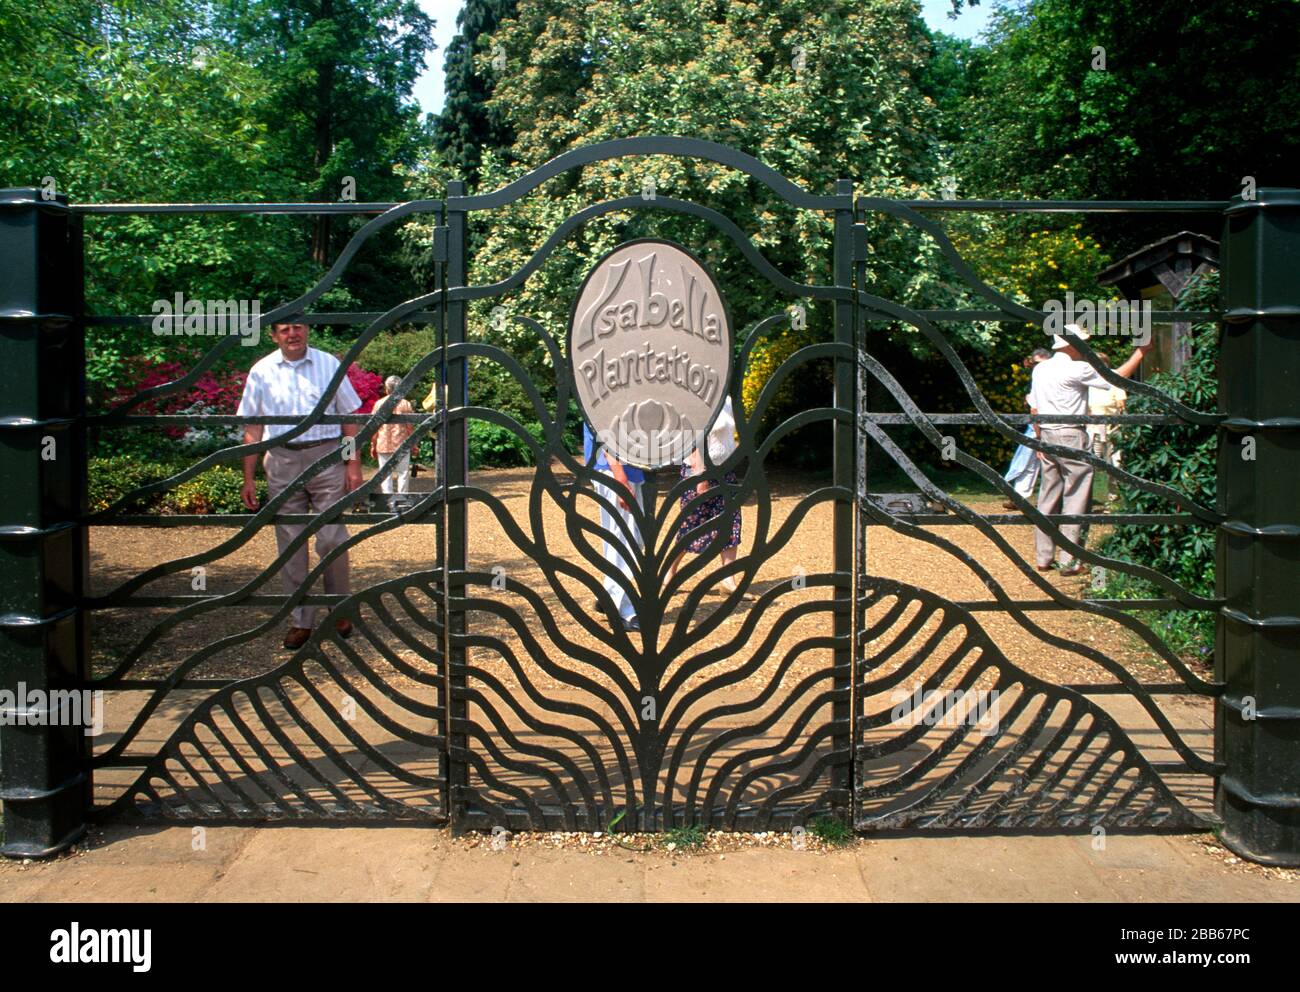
x=214, y=491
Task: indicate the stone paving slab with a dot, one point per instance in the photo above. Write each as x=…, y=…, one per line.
x=328, y=864
x=423, y=864
x=762, y=876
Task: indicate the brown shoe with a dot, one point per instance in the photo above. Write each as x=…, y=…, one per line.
x=1044, y=568
x=344, y=627
x=297, y=637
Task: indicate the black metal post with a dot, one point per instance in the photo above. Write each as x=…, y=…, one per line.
x=861, y=452
x=44, y=778
x=1257, y=725
x=845, y=477
x=456, y=478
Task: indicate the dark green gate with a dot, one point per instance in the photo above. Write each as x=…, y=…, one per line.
x=493, y=687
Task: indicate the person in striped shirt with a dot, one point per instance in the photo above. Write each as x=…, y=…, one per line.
x=290, y=382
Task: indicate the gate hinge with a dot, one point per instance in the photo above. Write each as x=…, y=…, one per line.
x=860, y=241
x=440, y=236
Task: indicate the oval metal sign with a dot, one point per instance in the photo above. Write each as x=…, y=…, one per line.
x=650, y=349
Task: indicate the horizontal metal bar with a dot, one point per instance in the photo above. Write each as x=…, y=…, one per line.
x=1286, y=532
x=1017, y=519
x=1021, y=419
x=135, y=685
x=1161, y=316
x=1281, y=801
x=241, y=519
x=894, y=419
x=994, y=206
x=1289, y=714
x=431, y=317
x=261, y=599
x=1182, y=766
x=1049, y=605
x=1272, y=623
x=18, y=794
x=31, y=424
x=233, y=208
x=1068, y=206
x=339, y=317
x=22, y=621
x=1239, y=424
x=21, y=532
x=1119, y=689
x=232, y=420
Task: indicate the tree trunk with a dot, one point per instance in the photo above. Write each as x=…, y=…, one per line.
x=320, y=233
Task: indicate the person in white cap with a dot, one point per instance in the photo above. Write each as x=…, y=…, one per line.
x=1060, y=388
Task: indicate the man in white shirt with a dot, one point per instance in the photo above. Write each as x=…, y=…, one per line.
x=1060, y=388
x=289, y=383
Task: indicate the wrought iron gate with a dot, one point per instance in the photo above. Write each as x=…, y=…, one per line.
x=495, y=687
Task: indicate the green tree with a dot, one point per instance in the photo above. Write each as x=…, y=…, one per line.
x=467, y=125
x=338, y=77
x=1142, y=99
x=192, y=100
x=138, y=101
x=818, y=91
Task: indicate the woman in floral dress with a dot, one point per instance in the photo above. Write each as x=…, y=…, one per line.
x=721, y=443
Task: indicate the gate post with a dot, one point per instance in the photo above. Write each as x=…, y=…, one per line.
x=44, y=778
x=457, y=520
x=1257, y=725
x=845, y=476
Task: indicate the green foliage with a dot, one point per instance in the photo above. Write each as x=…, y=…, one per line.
x=579, y=73
x=214, y=491
x=1165, y=118
x=493, y=446
x=950, y=79
x=1030, y=259
x=113, y=477
x=1184, y=457
x=338, y=78
x=683, y=838
x=467, y=125
x=807, y=448
x=831, y=830
x=397, y=352
x=212, y=100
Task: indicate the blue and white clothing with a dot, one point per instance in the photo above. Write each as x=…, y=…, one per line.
x=1023, y=472
x=616, y=550
x=277, y=387
x=634, y=474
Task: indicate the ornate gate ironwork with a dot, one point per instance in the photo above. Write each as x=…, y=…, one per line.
x=496, y=687
x=1054, y=757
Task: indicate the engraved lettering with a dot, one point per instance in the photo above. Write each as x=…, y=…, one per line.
x=660, y=382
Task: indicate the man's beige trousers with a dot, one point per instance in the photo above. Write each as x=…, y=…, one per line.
x=1066, y=488
x=282, y=467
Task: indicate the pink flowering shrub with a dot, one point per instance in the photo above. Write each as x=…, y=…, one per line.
x=369, y=387
x=212, y=392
